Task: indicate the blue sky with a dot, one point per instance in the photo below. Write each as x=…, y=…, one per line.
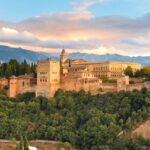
x=131, y=8
x=17, y=10
x=91, y=26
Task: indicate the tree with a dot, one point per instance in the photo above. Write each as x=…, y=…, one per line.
x=146, y=71
x=13, y=67
x=23, y=145
x=138, y=73
x=89, y=122
x=128, y=71
x=8, y=72
x=43, y=102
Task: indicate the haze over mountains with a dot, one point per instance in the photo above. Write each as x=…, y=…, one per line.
x=20, y=54
x=7, y=53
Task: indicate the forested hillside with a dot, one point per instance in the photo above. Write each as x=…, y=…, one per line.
x=100, y=122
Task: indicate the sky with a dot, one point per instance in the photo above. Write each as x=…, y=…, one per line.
x=86, y=26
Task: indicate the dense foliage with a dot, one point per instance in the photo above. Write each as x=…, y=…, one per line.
x=144, y=72
x=86, y=121
x=129, y=71
x=13, y=67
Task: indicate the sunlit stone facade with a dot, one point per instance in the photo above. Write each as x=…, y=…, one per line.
x=74, y=75
x=21, y=84
x=71, y=75
x=104, y=69
x=48, y=77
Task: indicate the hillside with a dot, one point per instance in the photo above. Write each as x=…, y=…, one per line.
x=85, y=121
x=142, y=129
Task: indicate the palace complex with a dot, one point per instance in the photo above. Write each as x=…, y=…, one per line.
x=72, y=75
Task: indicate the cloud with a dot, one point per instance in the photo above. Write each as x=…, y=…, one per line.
x=13, y=36
x=10, y=35
x=140, y=42
x=9, y=31
x=81, y=32
x=83, y=5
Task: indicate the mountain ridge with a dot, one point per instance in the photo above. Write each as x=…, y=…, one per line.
x=144, y=60
x=7, y=53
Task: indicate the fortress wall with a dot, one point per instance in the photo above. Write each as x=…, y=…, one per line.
x=27, y=89
x=53, y=89
x=109, y=87
x=20, y=85
x=3, y=83
x=75, y=85
x=137, y=80
x=138, y=86
x=47, y=90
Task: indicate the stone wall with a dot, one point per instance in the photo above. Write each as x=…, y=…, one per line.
x=20, y=85
x=3, y=83
x=109, y=87
x=138, y=86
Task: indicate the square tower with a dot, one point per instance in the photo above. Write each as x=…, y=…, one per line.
x=48, y=77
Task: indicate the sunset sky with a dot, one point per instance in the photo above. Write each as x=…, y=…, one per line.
x=91, y=26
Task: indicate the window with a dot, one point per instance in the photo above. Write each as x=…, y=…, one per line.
x=54, y=80
x=54, y=72
x=43, y=73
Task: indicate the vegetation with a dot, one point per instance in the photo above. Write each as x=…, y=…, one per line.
x=13, y=67
x=129, y=72
x=144, y=72
x=99, y=122
x=106, y=80
x=23, y=145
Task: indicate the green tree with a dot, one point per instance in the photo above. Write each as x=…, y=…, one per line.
x=13, y=67
x=146, y=71
x=128, y=71
x=138, y=73
x=8, y=71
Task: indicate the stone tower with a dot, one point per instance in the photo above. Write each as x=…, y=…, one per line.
x=13, y=82
x=63, y=56
x=48, y=77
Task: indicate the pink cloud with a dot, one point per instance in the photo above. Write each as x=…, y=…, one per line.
x=82, y=32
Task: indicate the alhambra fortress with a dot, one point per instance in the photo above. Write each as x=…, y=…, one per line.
x=73, y=75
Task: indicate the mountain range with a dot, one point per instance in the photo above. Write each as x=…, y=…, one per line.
x=7, y=53
x=143, y=60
